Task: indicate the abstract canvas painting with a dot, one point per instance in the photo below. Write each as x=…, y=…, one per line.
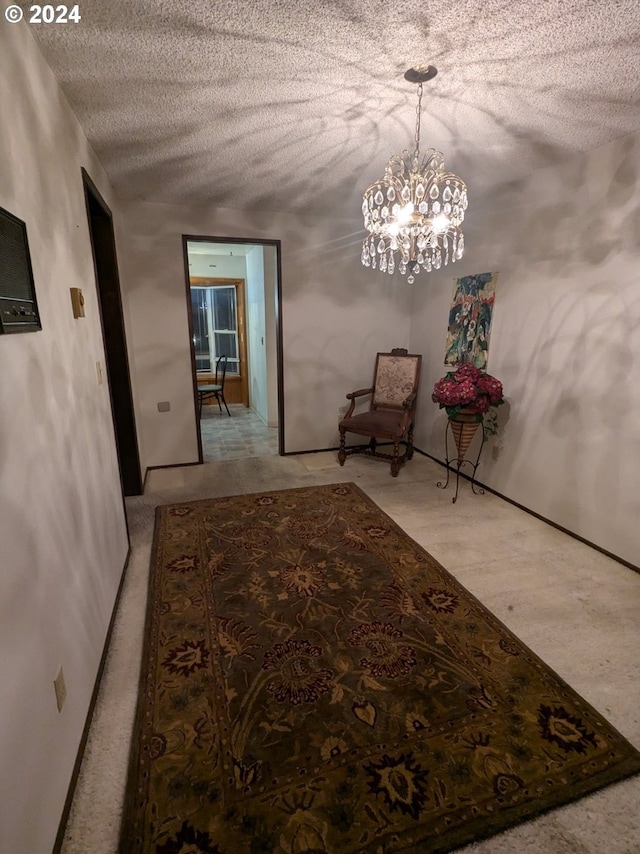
x=470, y=317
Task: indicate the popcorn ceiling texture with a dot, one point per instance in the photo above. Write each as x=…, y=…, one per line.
x=298, y=105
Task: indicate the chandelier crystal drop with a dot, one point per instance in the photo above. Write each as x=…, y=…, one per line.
x=414, y=212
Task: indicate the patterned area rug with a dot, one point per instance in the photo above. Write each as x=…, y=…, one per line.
x=313, y=681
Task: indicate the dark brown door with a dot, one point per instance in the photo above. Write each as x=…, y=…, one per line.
x=113, y=333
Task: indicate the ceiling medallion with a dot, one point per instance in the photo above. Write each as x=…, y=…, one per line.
x=414, y=212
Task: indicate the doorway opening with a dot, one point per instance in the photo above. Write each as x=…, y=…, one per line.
x=113, y=334
x=234, y=309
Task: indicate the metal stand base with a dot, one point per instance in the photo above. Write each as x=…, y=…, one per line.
x=456, y=463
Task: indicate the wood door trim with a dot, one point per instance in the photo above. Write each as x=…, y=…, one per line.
x=279, y=321
x=114, y=339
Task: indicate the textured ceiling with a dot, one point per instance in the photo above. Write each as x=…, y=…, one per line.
x=298, y=104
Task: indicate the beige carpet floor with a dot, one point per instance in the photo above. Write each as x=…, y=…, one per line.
x=576, y=608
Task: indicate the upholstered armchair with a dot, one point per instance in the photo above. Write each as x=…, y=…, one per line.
x=391, y=413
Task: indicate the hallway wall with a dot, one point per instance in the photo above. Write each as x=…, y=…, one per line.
x=63, y=533
x=257, y=332
x=565, y=342
x=335, y=317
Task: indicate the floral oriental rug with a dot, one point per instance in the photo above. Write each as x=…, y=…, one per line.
x=314, y=681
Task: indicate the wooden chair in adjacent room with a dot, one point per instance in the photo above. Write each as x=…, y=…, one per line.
x=391, y=413
x=215, y=389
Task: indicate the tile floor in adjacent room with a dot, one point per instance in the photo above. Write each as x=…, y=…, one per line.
x=241, y=435
x=575, y=607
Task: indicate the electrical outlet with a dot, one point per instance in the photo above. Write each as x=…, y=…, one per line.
x=60, y=689
x=164, y=406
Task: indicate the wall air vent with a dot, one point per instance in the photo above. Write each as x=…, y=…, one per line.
x=18, y=307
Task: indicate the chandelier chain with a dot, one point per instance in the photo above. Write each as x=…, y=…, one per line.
x=416, y=153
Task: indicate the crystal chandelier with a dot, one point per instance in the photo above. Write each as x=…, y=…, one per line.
x=413, y=213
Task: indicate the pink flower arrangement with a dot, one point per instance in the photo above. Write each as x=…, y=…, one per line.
x=468, y=388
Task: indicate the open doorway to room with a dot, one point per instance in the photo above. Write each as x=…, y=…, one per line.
x=233, y=301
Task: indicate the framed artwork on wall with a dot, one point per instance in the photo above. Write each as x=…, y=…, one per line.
x=470, y=317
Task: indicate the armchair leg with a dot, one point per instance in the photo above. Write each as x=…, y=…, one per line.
x=409, y=452
x=395, y=462
x=342, y=455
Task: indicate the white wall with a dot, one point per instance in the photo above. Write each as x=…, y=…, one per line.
x=335, y=315
x=62, y=529
x=565, y=343
x=271, y=327
x=217, y=266
x=256, y=332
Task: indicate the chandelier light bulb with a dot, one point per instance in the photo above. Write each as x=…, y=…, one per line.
x=440, y=224
x=414, y=212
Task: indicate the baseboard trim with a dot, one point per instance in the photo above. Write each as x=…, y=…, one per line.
x=542, y=518
x=92, y=705
x=172, y=466
x=336, y=449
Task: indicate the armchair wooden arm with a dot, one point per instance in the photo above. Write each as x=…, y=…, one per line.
x=352, y=397
x=407, y=403
x=407, y=410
